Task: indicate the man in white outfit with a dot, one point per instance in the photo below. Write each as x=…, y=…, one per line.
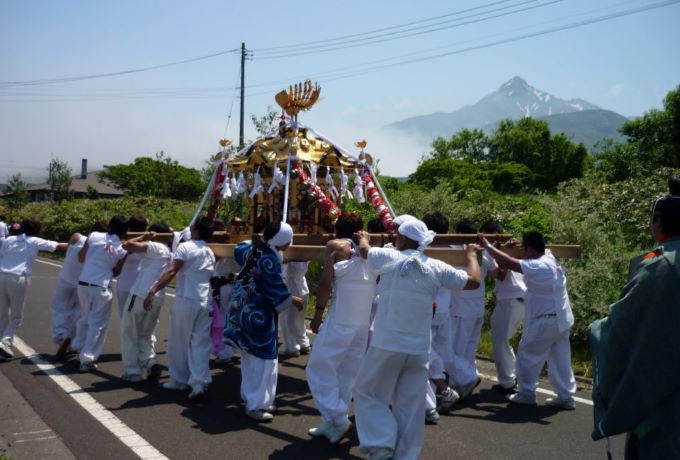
x=467, y=318
x=102, y=256
x=189, y=344
x=138, y=341
x=17, y=254
x=548, y=319
x=65, y=305
x=4, y=231
x=129, y=271
x=394, y=369
x=505, y=320
x=292, y=321
x=341, y=342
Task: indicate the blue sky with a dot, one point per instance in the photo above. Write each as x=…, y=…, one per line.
x=625, y=64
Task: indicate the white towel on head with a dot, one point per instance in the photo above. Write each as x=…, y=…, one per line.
x=416, y=230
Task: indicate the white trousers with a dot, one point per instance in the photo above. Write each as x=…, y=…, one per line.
x=505, y=320
x=542, y=342
x=65, y=311
x=12, y=298
x=465, y=334
x=332, y=369
x=138, y=341
x=388, y=377
x=292, y=327
x=225, y=296
x=440, y=350
x=121, y=297
x=95, y=314
x=258, y=381
x=189, y=344
x=430, y=396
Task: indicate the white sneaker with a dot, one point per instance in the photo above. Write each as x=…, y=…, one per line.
x=174, y=385
x=88, y=367
x=260, y=415
x=382, y=453
x=337, y=432
x=6, y=350
x=523, y=398
x=431, y=416
x=449, y=398
x=131, y=377
x=197, y=393
x=562, y=403
x=321, y=430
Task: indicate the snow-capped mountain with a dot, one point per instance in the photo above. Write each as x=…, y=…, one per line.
x=514, y=99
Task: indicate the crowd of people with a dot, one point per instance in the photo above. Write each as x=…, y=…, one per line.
x=397, y=330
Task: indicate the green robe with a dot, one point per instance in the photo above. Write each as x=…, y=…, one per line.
x=636, y=360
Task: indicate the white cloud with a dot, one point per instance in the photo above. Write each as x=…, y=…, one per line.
x=616, y=90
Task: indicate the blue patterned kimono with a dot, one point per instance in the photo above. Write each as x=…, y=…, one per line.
x=258, y=289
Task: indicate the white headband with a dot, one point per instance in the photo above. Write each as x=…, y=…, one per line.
x=417, y=231
x=283, y=237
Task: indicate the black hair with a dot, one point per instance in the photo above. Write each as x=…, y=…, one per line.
x=666, y=210
x=534, y=240
x=159, y=227
x=99, y=226
x=138, y=223
x=219, y=226
x=465, y=226
x=118, y=225
x=491, y=227
x=14, y=229
x=347, y=224
x=436, y=221
x=2, y=217
x=270, y=230
x=375, y=225
x=30, y=227
x=204, y=227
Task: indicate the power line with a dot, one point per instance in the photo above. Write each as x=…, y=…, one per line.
x=113, y=74
x=551, y=30
x=411, y=32
x=342, y=37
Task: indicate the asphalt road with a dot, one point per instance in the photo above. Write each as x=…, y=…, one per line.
x=483, y=426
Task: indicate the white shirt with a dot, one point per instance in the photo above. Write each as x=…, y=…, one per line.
x=128, y=273
x=193, y=279
x=294, y=277
x=354, y=289
x=103, y=253
x=150, y=268
x=470, y=303
x=546, y=290
x=3, y=229
x=72, y=267
x=18, y=253
x=512, y=287
x=409, y=281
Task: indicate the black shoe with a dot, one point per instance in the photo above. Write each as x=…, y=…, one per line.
x=154, y=372
x=498, y=388
x=62, y=351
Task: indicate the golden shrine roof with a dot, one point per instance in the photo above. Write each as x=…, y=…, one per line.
x=308, y=146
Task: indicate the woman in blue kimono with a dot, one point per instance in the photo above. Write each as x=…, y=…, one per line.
x=259, y=294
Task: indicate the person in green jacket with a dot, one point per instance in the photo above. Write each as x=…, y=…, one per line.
x=636, y=353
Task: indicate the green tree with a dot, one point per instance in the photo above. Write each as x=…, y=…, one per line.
x=471, y=145
x=16, y=193
x=60, y=179
x=161, y=177
x=551, y=159
x=267, y=122
x=91, y=193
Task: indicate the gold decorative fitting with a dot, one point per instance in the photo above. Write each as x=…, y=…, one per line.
x=225, y=142
x=361, y=144
x=301, y=96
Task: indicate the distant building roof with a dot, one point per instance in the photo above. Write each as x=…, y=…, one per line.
x=79, y=186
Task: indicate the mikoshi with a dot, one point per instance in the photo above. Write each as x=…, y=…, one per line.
x=297, y=175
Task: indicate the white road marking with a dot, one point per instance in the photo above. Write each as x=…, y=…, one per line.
x=44, y=438
x=125, y=434
x=31, y=432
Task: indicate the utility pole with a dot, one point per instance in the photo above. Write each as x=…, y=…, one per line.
x=243, y=76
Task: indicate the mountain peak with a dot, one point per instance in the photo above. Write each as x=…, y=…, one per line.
x=515, y=83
